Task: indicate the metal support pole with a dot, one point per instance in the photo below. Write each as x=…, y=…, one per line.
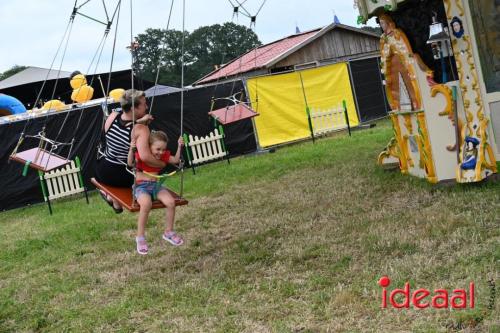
x=356, y=105
x=307, y=108
x=344, y=105
x=455, y=114
x=386, y=102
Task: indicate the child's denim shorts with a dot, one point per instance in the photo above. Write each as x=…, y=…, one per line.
x=152, y=188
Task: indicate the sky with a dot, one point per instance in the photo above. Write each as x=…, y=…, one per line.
x=31, y=30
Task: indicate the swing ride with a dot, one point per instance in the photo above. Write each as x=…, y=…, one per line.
x=238, y=8
x=51, y=154
x=45, y=157
x=124, y=195
x=205, y=149
x=212, y=147
x=237, y=109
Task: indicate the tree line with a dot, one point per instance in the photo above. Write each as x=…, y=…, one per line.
x=11, y=71
x=204, y=48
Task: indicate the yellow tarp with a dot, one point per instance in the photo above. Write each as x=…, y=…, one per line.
x=281, y=102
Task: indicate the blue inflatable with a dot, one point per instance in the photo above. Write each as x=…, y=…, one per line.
x=10, y=105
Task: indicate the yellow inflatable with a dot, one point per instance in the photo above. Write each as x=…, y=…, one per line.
x=54, y=104
x=77, y=81
x=81, y=91
x=116, y=94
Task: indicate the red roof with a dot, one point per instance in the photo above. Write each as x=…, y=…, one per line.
x=258, y=58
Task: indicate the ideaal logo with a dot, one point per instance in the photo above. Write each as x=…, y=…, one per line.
x=439, y=299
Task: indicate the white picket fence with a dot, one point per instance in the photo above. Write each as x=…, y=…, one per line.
x=62, y=182
x=326, y=121
x=206, y=148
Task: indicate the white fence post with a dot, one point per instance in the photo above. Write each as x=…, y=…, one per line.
x=206, y=148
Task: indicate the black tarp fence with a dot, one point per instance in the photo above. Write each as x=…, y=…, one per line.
x=240, y=138
x=368, y=89
x=18, y=191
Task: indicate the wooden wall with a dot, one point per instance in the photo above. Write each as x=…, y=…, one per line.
x=336, y=43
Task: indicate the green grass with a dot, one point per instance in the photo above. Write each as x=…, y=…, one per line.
x=293, y=241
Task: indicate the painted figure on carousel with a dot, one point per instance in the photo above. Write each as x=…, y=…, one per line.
x=399, y=74
x=470, y=153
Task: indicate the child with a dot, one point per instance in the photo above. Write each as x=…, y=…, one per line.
x=147, y=188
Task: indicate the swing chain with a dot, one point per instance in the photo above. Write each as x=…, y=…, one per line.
x=19, y=142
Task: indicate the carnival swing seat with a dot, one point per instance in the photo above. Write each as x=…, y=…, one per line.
x=233, y=113
x=40, y=159
x=124, y=196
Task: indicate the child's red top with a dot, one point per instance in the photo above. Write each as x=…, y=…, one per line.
x=141, y=166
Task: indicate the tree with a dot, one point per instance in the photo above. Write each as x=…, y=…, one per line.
x=11, y=71
x=205, y=48
x=162, y=48
x=217, y=44
x=375, y=30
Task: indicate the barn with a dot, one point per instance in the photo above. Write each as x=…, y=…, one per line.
x=316, y=69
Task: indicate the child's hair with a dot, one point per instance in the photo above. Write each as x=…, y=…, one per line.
x=157, y=136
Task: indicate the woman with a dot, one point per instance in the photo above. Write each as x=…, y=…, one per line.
x=119, y=133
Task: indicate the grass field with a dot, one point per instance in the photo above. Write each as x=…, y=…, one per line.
x=293, y=241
